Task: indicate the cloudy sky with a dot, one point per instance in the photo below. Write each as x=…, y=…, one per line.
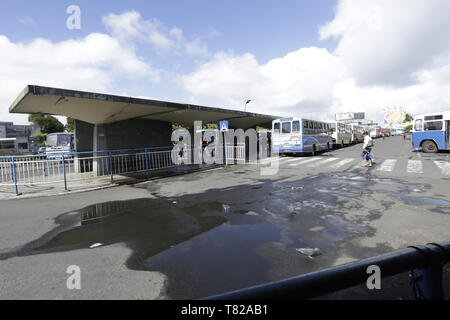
x=291, y=57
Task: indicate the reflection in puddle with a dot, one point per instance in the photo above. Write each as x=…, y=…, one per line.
x=224, y=258
x=146, y=226
x=424, y=201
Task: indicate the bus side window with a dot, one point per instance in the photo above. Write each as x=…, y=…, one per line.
x=276, y=127
x=296, y=126
x=432, y=125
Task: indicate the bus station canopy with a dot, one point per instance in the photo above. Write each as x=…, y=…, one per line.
x=97, y=108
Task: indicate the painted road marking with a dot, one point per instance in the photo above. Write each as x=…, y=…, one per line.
x=444, y=166
x=319, y=163
x=342, y=163
x=414, y=166
x=303, y=162
x=387, y=165
x=295, y=160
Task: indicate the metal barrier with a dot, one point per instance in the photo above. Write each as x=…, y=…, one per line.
x=60, y=168
x=235, y=153
x=424, y=262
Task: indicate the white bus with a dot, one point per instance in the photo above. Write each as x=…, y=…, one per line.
x=341, y=134
x=375, y=132
x=357, y=133
x=299, y=135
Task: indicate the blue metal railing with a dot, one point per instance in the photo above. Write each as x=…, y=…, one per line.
x=425, y=263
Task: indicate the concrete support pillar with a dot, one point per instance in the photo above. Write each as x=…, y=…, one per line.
x=76, y=160
x=100, y=165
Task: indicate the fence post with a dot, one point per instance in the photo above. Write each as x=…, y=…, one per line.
x=146, y=158
x=14, y=176
x=110, y=167
x=429, y=283
x=64, y=171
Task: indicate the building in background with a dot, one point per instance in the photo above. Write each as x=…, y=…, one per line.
x=15, y=139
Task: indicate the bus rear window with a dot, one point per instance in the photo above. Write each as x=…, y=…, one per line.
x=296, y=126
x=286, y=127
x=432, y=125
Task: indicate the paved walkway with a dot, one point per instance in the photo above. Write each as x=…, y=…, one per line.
x=57, y=188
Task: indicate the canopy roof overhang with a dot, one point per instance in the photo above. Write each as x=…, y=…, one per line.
x=98, y=108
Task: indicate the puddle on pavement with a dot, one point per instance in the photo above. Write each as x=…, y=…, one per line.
x=208, y=243
x=423, y=201
x=147, y=226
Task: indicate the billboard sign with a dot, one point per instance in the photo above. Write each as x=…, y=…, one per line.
x=350, y=116
x=394, y=114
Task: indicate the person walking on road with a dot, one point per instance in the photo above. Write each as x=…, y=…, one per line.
x=367, y=149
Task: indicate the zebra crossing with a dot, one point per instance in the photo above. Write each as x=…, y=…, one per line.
x=410, y=166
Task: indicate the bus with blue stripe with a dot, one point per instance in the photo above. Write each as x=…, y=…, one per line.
x=298, y=135
x=431, y=132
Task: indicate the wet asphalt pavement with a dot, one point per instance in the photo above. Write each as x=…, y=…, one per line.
x=208, y=232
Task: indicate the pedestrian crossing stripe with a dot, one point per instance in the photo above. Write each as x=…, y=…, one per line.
x=341, y=163
x=444, y=166
x=322, y=162
x=414, y=166
x=388, y=165
x=303, y=162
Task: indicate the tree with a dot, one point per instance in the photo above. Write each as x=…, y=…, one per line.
x=408, y=128
x=70, y=126
x=210, y=126
x=408, y=118
x=39, y=139
x=48, y=123
x=176, y=126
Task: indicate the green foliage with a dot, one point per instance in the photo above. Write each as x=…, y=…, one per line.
x=176, y=126
x=40, y=138
x=48, y=123
x=210, y=126
x=408, y=118
x=70, y=126
x=408, y=128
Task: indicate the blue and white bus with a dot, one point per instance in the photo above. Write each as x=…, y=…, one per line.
x=431, y=132
x=298, y=135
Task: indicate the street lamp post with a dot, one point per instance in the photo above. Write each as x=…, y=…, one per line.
x=245, y=105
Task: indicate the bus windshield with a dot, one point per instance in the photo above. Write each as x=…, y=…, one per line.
x=59, y=140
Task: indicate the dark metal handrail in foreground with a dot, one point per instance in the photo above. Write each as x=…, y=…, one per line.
x=425, y=261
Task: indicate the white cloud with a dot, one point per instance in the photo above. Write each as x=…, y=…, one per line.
x=388, y=53
x=278, y=87
x=386, y=42
x=130, y=27
x=93, y=63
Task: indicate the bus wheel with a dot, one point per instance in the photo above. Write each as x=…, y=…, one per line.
x=429, y=147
